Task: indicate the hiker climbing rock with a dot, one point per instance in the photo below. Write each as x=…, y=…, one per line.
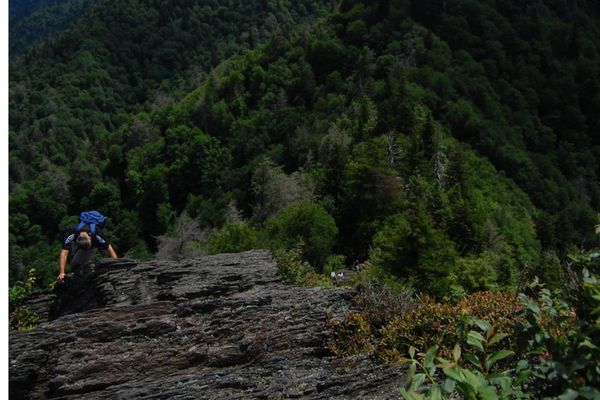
x=81, y=242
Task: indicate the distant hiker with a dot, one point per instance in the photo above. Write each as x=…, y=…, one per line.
x=82, y=241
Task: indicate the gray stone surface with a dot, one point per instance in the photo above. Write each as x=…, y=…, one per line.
x=217, y=327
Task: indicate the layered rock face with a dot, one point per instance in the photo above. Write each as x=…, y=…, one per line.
x=217, y=327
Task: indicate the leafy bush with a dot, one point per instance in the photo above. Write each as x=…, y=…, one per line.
x=472, y=375
x=562, y=344
x=333, y=263
x=409, y=246
x=291, y=266
x=21, y=317
x=494, y=306
x=295, y=270
x=352, y=335
x=20, y=290
x=427, y=325
x=432, y=323
x=233, y=238
x=558, y=351
x=306, y=225
x=477, y=273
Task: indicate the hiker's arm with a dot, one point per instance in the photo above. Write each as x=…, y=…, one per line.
x=111, y=252
x=62, y=263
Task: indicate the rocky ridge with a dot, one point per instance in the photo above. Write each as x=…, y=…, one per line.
x=215, y=327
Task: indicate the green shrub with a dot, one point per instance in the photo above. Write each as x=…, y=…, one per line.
x=471, y=370
x=494, y=306
x=427, y=325
x=397, y=320
x=562, y=342
x=293, y=270
x=410, y=247
x=306, y=225
x=351, y=335
x=333, y=263
x=477, y=273
x=233, y=238
x=21, y=317
x=20, y=290
x=558, y=351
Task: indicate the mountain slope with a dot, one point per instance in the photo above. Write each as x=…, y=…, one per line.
x=66, y=96
x=370, y=151
x=367, y=125
x=22, y=8
x=29, y=27
x=521, y=83
x=80, y=84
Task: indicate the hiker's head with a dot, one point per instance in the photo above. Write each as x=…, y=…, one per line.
x=84, y=240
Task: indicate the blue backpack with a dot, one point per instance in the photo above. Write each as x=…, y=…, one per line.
x=92, y=218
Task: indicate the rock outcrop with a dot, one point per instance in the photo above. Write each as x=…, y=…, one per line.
x=217, y=327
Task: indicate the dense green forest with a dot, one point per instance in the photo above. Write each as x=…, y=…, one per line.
x=452, y=127
x=32, y=22
x=68, y=95
x=21, y=9
x=451, y=146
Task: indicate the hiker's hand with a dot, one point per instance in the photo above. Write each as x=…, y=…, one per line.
x=61, y=277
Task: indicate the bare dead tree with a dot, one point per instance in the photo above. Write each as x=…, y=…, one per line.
x=184, y=241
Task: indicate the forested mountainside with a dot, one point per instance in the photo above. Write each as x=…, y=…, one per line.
x=32, y=22
x=69, y=93
x=530, y=73
x=21, y=9
x=450, y=145
x=441, y=156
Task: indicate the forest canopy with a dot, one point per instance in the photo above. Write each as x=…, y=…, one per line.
x=448, y=143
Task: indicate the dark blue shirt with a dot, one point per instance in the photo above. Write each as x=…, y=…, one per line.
x=98, y=241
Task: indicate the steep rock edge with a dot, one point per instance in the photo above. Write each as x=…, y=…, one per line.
x=216, y=327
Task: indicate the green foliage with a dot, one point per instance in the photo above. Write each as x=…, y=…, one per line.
x=352, y=335
x=28, y=27
x=426, y=325
x=292, y=268
x=490, y=344
x=559, y=355
x=469, y=374
x=233, y=238
x=21, y=318
x=409, y=135
x=306, y=225
x=409, y=246
x=478, y=273
x=333, y=263
x=20, y=289
x=561, y=341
